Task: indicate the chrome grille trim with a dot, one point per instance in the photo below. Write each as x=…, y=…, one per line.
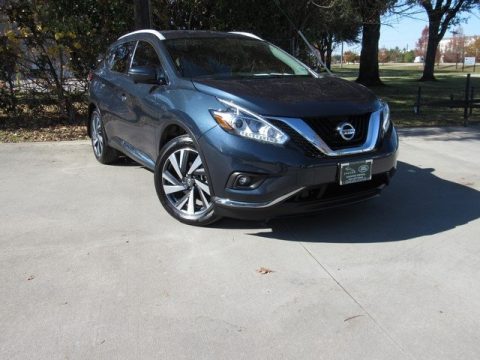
x=308, y=133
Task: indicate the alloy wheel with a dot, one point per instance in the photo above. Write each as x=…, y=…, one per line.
x=185, y=183
x=97, y=135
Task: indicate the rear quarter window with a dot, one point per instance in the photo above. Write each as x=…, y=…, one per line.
x=119, y=57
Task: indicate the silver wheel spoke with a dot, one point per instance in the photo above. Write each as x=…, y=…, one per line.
x=202, y=186
x=181, y=203
x=170, y=178
x=195, y=165
x=203, y=197
x=200, y=172
x=171, y=189
x=191, y=202
x=174, y=162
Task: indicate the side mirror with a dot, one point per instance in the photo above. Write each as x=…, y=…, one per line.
x=146, y=75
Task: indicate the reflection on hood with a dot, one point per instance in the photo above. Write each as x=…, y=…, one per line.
x=293, y=96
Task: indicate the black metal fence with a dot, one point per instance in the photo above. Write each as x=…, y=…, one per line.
x=465, y=99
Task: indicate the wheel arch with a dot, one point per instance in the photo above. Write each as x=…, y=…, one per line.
x=170, y=132
x=179, y=123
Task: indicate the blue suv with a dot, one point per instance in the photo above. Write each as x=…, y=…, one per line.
x=233, y=126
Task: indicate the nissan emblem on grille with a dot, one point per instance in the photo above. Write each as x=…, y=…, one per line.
x=346, y=131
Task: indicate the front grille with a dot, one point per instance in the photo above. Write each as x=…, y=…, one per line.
x=326, y=128
x=307, y=148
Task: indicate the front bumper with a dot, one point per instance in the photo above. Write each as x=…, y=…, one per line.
x=295, y=183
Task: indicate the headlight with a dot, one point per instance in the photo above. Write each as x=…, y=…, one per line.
x=386, y=117
x=242, y=122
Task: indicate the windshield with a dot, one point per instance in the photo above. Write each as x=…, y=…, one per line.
x=231, y=57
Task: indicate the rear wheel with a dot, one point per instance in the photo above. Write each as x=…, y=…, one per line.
x=104, y=153
x=182, y=183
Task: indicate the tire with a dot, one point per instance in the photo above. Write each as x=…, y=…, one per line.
x=103, y=153
x=182, y=184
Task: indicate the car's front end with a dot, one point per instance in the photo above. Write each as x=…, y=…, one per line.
x=303, y=167
x=286, y=140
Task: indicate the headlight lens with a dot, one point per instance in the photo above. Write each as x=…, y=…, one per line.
x=244, y=123
x=386, y=117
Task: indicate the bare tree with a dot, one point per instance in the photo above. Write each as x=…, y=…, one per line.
x=441, y=15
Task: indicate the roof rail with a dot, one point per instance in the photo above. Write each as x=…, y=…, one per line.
x=145, y=31
x=250, y=35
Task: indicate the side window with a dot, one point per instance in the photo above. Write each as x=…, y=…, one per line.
x=119, y=57
x=145, y=55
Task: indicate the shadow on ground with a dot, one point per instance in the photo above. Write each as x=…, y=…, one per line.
x=417, y=203
x=127, y=162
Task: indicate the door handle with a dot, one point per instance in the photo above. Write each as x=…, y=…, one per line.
x=123, y=97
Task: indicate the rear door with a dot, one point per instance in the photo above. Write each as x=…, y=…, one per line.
x=116, y=107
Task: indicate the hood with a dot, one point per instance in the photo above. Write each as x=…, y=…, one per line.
x=293, y=96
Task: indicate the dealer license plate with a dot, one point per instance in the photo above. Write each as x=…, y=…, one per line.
x=355, y=172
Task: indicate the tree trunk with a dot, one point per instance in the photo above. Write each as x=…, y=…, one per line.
x=328, y=58
x=322, y=55
x=369, y=74
x=66, y=106
x=433, y=40
x=143, y=14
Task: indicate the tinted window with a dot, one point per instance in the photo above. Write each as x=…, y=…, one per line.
x=231, y=57
x=145, y=55
x=119, y=57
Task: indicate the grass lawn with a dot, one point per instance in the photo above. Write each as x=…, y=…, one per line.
x=401, y=86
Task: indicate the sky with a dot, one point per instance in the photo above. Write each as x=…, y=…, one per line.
x=405, y=31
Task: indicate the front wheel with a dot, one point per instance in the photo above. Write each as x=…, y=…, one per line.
x=182, y=183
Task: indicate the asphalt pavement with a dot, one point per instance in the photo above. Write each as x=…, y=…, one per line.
x=92, y=267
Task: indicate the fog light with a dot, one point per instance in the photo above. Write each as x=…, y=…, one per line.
x=245, y=181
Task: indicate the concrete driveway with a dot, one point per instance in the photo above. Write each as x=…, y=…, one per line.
x=91, y=266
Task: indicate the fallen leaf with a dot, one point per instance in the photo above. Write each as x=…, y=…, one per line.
x=264, y=271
